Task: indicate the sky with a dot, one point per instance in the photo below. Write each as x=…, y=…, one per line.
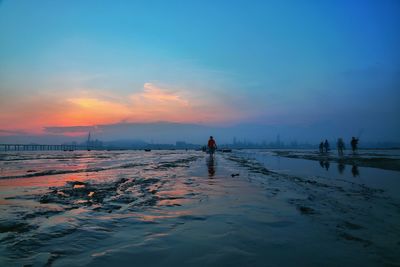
x=314, y=68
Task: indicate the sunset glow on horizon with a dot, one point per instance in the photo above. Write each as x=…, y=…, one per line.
x=152, y=104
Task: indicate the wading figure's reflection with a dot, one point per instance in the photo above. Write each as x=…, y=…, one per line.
x=324, y=164
x=211, y=165
x=321, y=163
x=355, y=171
x=341, y=167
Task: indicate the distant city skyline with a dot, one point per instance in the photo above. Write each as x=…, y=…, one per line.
x=165, y=133
x=307, y=70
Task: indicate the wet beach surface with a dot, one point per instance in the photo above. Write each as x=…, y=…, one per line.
x=163, y=208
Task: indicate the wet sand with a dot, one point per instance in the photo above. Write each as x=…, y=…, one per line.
x=193, y=210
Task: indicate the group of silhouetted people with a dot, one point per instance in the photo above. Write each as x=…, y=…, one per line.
x=324, y=146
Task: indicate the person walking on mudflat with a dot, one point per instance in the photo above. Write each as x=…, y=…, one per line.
x=212, y=146
x=354, y=144
x=321, y=147
x=326, y=146
x=340, y=146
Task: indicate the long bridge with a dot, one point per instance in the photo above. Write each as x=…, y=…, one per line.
x=38, y=147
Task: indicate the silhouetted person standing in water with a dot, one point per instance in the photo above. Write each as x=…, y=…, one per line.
x=340, y=146
x=354, y=144
x=326, y=146
x=212, y=146
x=321, y=147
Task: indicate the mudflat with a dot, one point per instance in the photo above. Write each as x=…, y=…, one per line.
x=164, y=208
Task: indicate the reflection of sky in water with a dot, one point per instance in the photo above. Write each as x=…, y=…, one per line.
x=167, y=188
x=29, y=163
x=157, y=195
x=373, y=177
x=160, y=216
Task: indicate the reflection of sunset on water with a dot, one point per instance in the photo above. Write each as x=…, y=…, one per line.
x=41, y=181
x=158, y=217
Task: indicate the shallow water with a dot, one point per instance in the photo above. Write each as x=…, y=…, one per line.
x=163, y=208
x=371, y=177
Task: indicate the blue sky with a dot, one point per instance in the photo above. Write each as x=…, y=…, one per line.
x=281, y=63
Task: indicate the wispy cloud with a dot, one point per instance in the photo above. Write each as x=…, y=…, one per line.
x=153, y=94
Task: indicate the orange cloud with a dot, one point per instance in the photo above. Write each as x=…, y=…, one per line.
x=89, y=107
x=153, y=94
x=155, y=104
x=90, y=111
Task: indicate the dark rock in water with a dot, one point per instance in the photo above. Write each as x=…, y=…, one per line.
x=46, y=199
x=149, y=202
x=124, y=199
x=349, y=237
x=127, y=184
x=73, y=183
x=167, y=165
x=46, y=213
x=107, y=208
x=123, y=180
x=17, y=227
x=306, y=210
x=349, y=225
x=150, y=181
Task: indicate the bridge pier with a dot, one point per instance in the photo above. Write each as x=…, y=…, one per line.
x=38, y=147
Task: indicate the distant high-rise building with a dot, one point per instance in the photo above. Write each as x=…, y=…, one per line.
x=180, y=144
x=278, y=140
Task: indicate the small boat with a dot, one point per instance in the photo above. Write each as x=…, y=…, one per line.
x=226, y=150
x=147, y=150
